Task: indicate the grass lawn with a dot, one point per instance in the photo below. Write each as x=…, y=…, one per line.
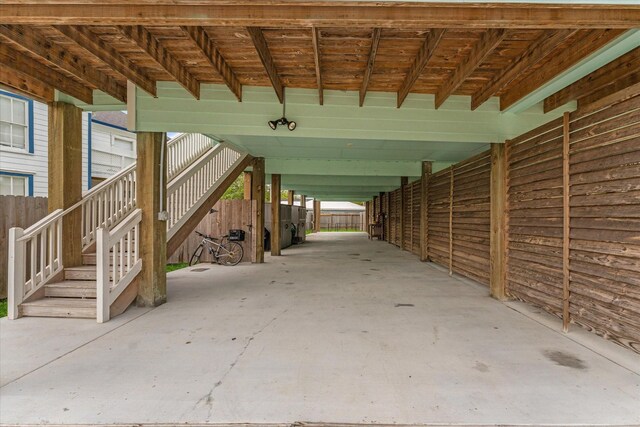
x=3, y=308
x=178, y=266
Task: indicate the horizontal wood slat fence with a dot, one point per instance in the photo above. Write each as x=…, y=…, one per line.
x=572, y=207
x=16, y=211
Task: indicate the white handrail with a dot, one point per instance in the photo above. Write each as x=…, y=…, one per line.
x=190, y=190
x=184, y=150
x=118, y=262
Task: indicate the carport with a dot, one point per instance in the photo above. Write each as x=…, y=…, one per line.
x=497, y=145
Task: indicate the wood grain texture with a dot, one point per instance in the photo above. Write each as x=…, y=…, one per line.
x=262, y=48
x=375, y=41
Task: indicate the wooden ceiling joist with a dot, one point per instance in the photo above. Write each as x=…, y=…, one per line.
x=425, y=53
x=248, y=13
x=267, y=60
x=375, y=41
x=534, y=54
x=21, y=63
x=615, y=70
x=152, y=46
x=26, y=85
x=618, y=86
x=482, y=49
x=61, y=58
x=92, y=44
x=215, y=58
x=315, y=40
x=580, y=49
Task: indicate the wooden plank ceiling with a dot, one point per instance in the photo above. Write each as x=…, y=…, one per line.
x=464, y=60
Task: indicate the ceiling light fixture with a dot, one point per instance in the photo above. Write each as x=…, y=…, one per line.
x=273, y=124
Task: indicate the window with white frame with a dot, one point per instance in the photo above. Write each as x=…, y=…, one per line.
x=14, y=185
x=14, y=119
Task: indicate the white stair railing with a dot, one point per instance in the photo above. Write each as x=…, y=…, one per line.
x=190, y=190
x=118, y=262
x=35, y=254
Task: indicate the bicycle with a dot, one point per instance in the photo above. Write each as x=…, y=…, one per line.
x=223, y=251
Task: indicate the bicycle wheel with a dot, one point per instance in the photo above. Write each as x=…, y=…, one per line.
x=195, y=258
x=230, y=254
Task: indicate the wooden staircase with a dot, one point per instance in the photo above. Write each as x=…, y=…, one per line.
x=105, y=284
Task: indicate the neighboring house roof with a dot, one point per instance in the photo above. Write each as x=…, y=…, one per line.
x=115, y=118
x=337, y=206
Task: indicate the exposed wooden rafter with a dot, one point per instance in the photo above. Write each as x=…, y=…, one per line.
x=267, y=60
x=215, y=58
x=483, y=48
x=326, y=13
x=92, y=44
x=63, y=59
x=538, y=50
x=11, y=59
x=580, y=49
x=425, y=53
x=614, y=71
x=375, y=41
x=152, y=46
x=25, y=85
x=315, y=39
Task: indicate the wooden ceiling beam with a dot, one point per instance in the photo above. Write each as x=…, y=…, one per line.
x=152, y=46
x=92, y=44
x=536, y=52
x=61, y=58
x=215, y=58
x=26, y=85
x=425, y=53
x=615, y=70
x=267, y=60
x=11, y=59
x=373, y=51
x=352, y=14
x=481, y=50
x=315, y=40
x=617, y=86
x=582, y=48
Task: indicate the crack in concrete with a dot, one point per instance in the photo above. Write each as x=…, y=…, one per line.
x=207, y=399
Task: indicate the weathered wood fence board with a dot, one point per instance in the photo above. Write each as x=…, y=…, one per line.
x=16, y=211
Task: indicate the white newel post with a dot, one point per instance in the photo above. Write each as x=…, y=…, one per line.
x=103, y=302
x=16, y=265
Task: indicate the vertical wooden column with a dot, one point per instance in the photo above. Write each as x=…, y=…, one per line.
x=317, y=213
x=427, y=168
x=497, y=278
x=403, y=183
x=65, y=175
x=275, y=215
x=151, y=175
x=303, y=201
x=451, y=224
x=247, y=185
x=290, y=197
x=257, y=194
x=566, y=315
x=367, y=212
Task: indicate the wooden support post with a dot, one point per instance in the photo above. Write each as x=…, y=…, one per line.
x=317, y=213
x=384, y=210
x=276, y=229
x=403, y=183
x=303, y=201
x=247, y=185
x=451, y=224
x=427, y=168
x=257, y=193
x=290, y=197
x=566, y=315
x=151, y=181
x=65, y=175
x=497, y=280
x=367, y=211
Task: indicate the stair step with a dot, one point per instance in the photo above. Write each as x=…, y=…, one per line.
x=84, y=272
x=71, y=289
x=60, y=307
x=90, y=259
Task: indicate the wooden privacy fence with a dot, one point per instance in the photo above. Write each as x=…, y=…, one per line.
x=342, y=221
x=16, y=211
x=571, y=212
x=227, y=215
